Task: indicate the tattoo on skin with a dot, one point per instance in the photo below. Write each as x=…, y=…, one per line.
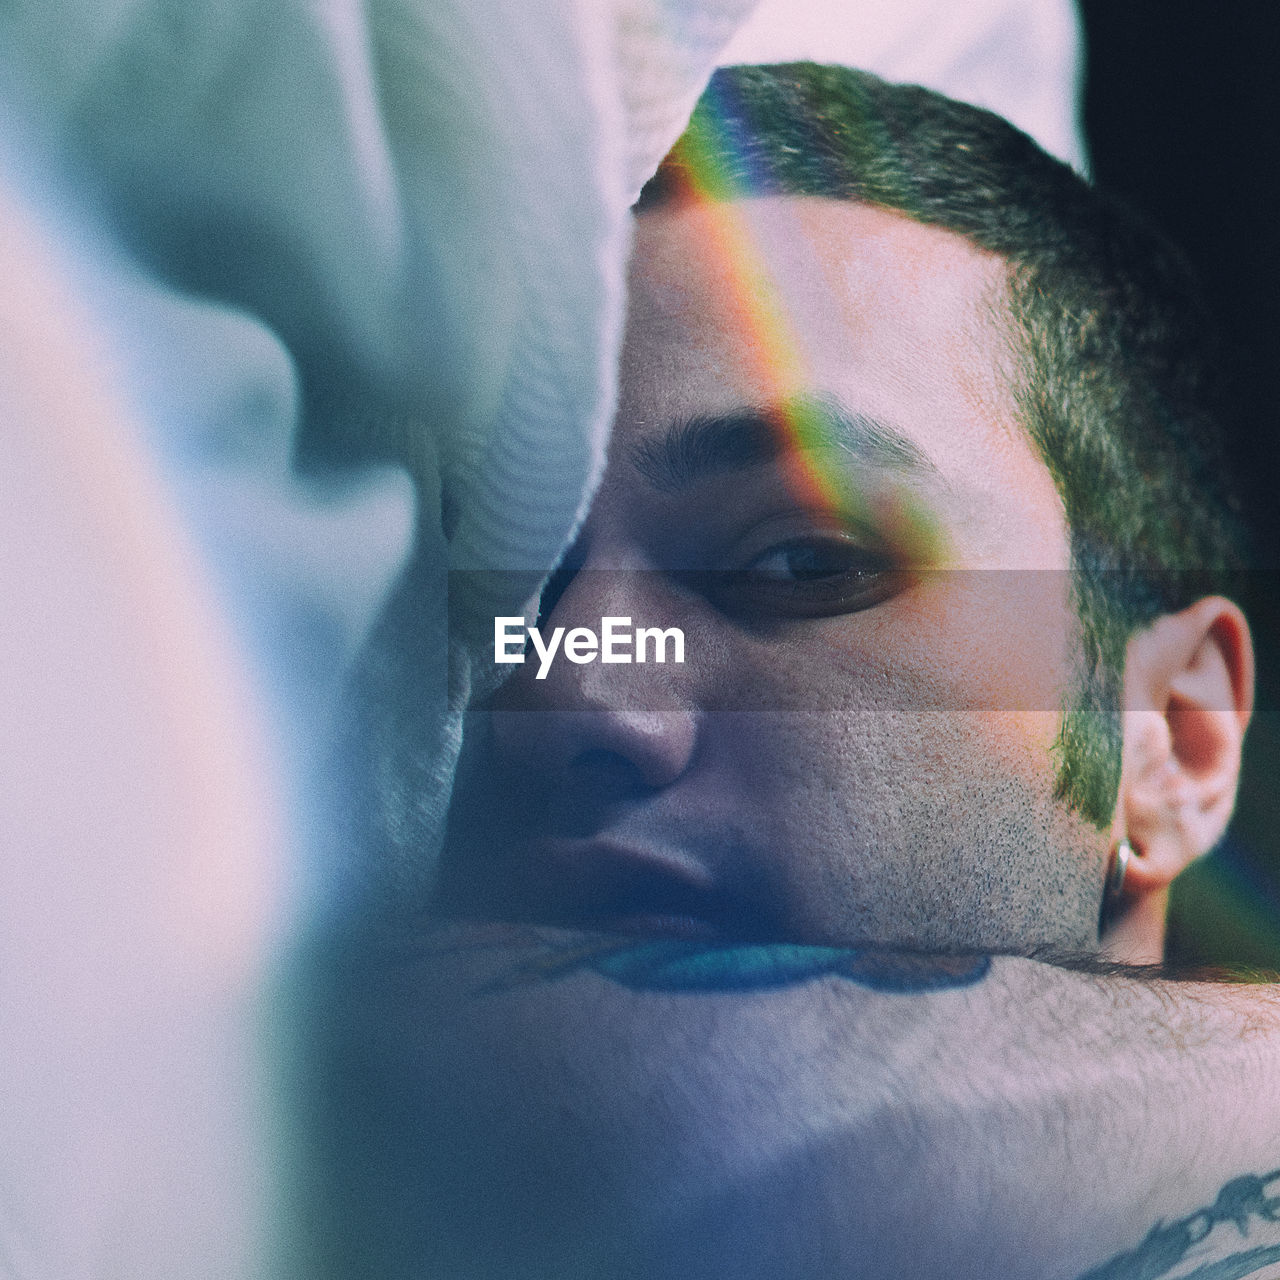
x=677, y=965
x=1166, y=1245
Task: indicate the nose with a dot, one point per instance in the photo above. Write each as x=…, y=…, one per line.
x=613, y=728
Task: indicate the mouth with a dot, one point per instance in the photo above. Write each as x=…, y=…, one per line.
x=591, y=883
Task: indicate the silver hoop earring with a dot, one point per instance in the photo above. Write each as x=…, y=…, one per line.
x=1116, y=873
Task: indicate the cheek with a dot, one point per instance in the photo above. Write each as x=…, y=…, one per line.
x=981, y=657
x=909, y=784
x=962, y=640
x=927, y=828
x=862, y=766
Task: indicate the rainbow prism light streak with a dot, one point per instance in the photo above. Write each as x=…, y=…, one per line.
x=818, y=477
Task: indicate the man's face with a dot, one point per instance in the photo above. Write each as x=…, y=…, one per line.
x=816, y=473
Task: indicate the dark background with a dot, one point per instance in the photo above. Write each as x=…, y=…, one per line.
x=1182, y=117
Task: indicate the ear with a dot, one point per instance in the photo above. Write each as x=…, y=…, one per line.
x=1188, y=698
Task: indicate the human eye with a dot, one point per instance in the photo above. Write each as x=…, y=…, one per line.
x=811, y=560
x=816, y=574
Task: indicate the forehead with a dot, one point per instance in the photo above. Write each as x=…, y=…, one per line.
x=757, y=302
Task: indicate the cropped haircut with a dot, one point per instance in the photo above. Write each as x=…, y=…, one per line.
x=1113, y=349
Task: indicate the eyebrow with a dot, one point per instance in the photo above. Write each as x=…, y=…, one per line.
x=700, y=447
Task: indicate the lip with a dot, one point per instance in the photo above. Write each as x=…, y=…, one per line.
x=653, y=925
x=584, y=853
x=595, y=883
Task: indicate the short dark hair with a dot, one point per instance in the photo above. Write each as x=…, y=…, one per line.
x=1114, y=378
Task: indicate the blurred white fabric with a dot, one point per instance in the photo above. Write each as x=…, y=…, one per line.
x=204, y=209
x=1019, y=58
x=142, y=833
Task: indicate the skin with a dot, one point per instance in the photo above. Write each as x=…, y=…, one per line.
x=846, y=755
x=492, y=1115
